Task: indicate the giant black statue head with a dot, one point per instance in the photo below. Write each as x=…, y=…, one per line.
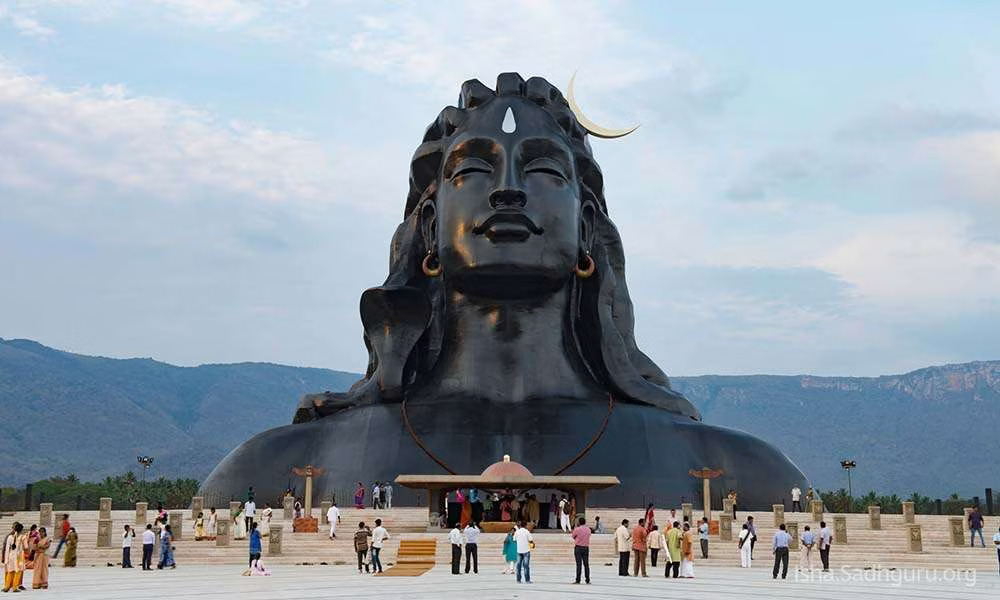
x=506, y=204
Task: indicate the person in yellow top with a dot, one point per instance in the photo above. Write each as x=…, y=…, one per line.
x=687, y=552
x=673, y=550
x=199, y=527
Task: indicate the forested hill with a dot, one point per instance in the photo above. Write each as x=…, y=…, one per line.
x=935, y=430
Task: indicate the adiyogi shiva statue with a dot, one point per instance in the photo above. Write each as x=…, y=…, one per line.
x=505, y=327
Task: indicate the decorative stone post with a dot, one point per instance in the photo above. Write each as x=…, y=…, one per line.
x=104, y=533
x=176, y=520
x=323, y=507
x=140, y=512
x=105, y=512
x=839, y=529
x=817, y=510
x=45, y=515
x=957, y=532
x=687, y=511
x=779, y=514
x=197, y=506
x=222, y=532
x=288, y=504
x=908, y=514
x=726, y=527
x=915, y=538
x=274, y=540
x=793, y=530
x=874, y=517
x=727, y=506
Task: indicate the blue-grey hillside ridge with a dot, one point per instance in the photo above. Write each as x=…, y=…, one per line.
x=934, y=430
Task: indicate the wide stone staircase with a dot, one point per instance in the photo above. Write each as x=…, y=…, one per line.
x=866, y=548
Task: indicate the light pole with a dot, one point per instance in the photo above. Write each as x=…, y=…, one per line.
x=146, y=462
x=848, y=465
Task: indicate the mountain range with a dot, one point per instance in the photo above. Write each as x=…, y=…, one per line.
x=933, y=430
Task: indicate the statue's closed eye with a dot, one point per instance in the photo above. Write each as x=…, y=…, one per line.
x=471, y=166
x=546, y=166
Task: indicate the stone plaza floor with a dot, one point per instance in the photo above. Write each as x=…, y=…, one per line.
x=205, y=582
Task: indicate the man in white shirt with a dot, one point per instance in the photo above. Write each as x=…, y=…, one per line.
x=796, y=499
x=996, y=544
x=148, y=541
x=375, y=495
x=524, y=541
x=387, y=488
x=807, y=542
x=249, y=512
x=471, y=533
x=333, y=517
x=564, y=514
x=824, y=545
x=127, y=547
x=623, y=547
x=379, y=535
x=455, y=537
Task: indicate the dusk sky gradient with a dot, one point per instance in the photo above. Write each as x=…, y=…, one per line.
x=814, y=188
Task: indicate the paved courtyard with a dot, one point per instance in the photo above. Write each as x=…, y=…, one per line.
x=198, y=582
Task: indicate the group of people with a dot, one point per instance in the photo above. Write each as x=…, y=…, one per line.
x=475, y=506
x=368, y=545
x=381, y=495
x=29, y=550
x=676, y=541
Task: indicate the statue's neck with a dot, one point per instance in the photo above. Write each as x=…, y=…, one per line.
x=510, y=350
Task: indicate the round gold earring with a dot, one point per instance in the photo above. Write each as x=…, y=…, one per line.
x=586, y=271
x=428, y=270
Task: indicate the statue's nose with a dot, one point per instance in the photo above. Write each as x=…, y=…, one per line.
x=502, y=198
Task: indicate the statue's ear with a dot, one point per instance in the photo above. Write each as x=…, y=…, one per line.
x=428, y=224
x=587, y=217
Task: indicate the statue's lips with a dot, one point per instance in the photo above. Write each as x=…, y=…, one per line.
x=507, y=227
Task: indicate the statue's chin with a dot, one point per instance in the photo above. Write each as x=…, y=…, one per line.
x=508, y=281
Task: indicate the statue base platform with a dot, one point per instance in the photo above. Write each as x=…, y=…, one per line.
x=305, y=525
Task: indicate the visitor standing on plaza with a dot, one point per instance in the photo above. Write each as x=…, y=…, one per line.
x=510, y=552
x=361, y=544
x=239, y=530
x=622, y=547
x=653, y=543
x=825, y=539
x=249, y=512
x=780, y=549
x=687, y=552
x=69, y=559
x=639, y=535
x=733, y=496
x=650, y=517
x=127, y=538
x=743, y=543
x=255, y=547
x=553, y=512
x=333, y=518
x=166, y=549
x=63, y=532
x=379, y=536
x=13, y=559
x=525, y=542
x=807, y=541
x=148, y=539
x=996, y=544
x=387, y=490
x=976, y=526
x=199, y=527
x=213, y=524
x=455, y=537
x=471, y=534
x=581, y=549
x=753, y=534
x=264, y=524
x=359, y=496
x=40, y=574
x=376, y=489
x=381, y=496
x=796, y=499
x=674, y=550
x=598, y=526
x=564, y=513
x=703, y=536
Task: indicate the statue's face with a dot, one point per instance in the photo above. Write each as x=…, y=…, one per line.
x=508, y=216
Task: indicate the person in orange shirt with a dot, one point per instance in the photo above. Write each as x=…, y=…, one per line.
x=687, y=552
x=639, y=535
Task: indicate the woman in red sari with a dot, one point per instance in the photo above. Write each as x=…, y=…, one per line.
x=650, y=517
x=505, y=509
x=359, y=496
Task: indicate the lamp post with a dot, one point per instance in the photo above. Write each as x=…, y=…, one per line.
x=146, y=462
x=848, y=465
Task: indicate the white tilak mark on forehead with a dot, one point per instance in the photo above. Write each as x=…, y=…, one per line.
x=509, y=124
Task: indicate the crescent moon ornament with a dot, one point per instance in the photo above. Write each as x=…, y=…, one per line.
x=593, y=128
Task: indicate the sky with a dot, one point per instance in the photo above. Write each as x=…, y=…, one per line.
x=814, y=188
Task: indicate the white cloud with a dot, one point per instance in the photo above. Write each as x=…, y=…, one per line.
x=25, y=24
